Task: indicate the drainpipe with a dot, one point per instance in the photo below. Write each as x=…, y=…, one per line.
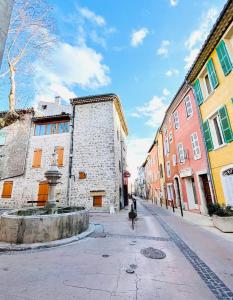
x=122, y=175
x=71, y=154
x=209, y=171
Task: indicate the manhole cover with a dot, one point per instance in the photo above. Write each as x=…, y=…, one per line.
x=105, y=255
x=129, y=271
x=153, y=253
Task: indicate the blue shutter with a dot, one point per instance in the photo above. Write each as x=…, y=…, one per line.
x=198, y=92
x=212, y=73
x=224, y=58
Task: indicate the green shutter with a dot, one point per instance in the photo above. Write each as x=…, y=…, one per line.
x=207, y=134
x=212, y=73
x=224, y=58
x=198, y=92
x=225, y=124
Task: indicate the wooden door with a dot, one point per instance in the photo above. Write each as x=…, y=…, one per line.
x=97, y=201
x=43, y=193
x=206, y=188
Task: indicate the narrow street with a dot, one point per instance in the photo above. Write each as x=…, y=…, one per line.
x=198, y=264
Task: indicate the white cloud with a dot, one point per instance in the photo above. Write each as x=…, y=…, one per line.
x=172, y=72
x=166, y=92
x=138, y=36
x=197, y=36
x=137, y=149
x=164, y=48
x=91, y=16
x=70, y=66
x=174, y=2
x=153, y=110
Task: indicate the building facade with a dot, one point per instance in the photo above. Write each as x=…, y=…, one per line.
x=89, y=138
x=212, y=80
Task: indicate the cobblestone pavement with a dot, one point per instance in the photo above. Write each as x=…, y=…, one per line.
x=95, y=268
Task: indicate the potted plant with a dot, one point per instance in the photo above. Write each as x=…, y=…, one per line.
x=222, y=217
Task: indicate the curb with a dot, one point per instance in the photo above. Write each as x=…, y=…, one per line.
x=7, y=247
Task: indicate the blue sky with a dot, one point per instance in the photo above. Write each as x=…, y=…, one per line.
x=137, y=49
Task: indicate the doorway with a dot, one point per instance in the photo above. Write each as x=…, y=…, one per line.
x=177, y=192
x=191, y=193
x=206, y=188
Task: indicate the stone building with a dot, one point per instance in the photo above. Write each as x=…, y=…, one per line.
x=89, y=136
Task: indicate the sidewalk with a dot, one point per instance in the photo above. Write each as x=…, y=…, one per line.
x=196, y=219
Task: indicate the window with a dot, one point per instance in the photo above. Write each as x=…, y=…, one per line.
x=181, y=153
x=7, y=189
x=37, y=158
x=170, y=137
x=2, y=138
x=166, y=147
x=217, y=131
x=224, y=58
x=168, y=169
x=195, y=146
x=60, y=156
x=176, y=120
x=44, y=107
x=208, y=85
x=51, y=128
x=97, y=201
x=174, y=160
x=188, y=106
x=43, y=192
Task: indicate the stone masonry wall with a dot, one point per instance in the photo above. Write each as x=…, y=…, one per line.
x=25, y=187
x=94, y=154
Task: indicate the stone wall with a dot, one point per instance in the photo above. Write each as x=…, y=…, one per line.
x=25, y=187
x=94, y=154
x=13, y=152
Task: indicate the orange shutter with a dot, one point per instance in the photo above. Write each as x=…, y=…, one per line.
x=43, y=193
x=60, y=155
x=37, y=158
x=97, y=201
x=7, y=189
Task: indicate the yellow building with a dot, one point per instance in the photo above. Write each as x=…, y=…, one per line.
x=212, y=80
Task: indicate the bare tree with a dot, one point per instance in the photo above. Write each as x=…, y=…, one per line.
x=29, y=38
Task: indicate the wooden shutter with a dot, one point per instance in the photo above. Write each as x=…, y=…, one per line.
x=212, y=73
x=43, y=193
x=97, y=201
x=224, y=58
x=198, y=92
x=7, y=189
x=37, y=158
x=60, y=156
x=208, y=138
x=225, y=124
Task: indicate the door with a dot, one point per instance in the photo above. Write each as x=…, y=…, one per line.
x=97, y=201
x=191, y=193
x=177, y=192
x=43, y=193
x=206, y=188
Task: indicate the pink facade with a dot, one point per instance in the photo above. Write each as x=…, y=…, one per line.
x=191, y=182
x=153, y=174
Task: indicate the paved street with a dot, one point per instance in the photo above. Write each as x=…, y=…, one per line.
x=198, y=263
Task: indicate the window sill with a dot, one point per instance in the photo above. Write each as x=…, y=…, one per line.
x=197, y=157
x=190, y=116
x=219, y=147
x=209, y=95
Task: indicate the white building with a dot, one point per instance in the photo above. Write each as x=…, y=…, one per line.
x=89, y=136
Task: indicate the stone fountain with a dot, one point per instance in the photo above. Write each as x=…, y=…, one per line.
x=52, y=176
x=50, y=223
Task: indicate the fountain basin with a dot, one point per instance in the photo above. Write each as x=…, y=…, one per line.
x=38, y=225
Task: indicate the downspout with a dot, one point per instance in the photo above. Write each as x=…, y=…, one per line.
x=71, y=154
x=209, y=171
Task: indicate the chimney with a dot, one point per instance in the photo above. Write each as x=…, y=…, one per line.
x=58, y=100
